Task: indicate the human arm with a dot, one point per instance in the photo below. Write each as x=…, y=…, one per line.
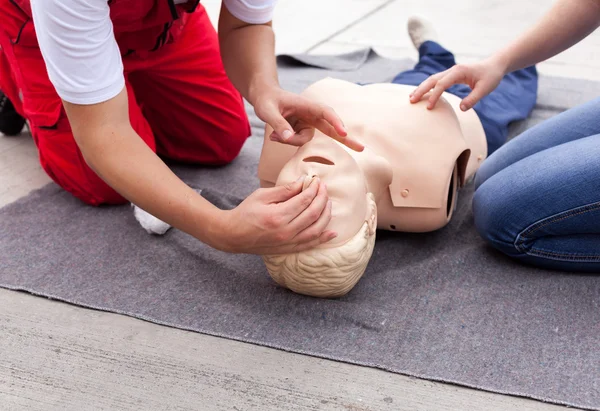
x=248, y=52
x=277, y=220
x=118, y=155
x=565, y=24
x=76, y=41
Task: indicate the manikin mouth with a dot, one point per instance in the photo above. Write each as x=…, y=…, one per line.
x=318, y=159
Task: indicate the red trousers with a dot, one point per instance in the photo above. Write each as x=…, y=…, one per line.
x=181, y=102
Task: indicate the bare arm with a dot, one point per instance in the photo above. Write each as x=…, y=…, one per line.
x=82, y=57
x=277, y=220
x=248, y=53
x=567, y=23
x=121, y=158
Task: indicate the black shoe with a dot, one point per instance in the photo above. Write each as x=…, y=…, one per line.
x=11, y=122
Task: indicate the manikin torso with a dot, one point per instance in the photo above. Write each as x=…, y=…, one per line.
x=415, y=159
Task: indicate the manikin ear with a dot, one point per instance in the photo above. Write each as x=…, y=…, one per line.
x=372, y=216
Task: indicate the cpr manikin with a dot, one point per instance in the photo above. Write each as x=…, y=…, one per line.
x=405, y=180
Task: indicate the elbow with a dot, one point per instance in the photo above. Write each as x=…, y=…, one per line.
x=95, y=148
x=86, y=142
x=89, y=155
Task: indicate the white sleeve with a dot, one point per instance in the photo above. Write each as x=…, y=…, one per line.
x=79, y=48
x=252, y=11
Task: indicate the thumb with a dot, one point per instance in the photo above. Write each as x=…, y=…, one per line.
x=282, y=131
x=302, y=137
x=479, y=92
x=279, y=194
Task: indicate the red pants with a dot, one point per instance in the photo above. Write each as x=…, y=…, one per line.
x=181, y=103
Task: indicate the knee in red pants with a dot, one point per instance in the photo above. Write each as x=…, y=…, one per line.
x=62, y=160
x=195, y=112
x=191, y=140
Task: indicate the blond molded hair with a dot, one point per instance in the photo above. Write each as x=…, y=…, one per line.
x=326, y=272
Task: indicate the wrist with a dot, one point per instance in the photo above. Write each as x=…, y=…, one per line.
x=503, y=61
x=205, y=222
x=217, y=230
x=261, y=87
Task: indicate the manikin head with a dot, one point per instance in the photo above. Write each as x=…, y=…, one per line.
x=354, y=181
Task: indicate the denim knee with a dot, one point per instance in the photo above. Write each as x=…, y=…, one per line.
x=484, y=172
x=493, y=209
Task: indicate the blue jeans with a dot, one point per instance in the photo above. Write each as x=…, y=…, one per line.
x=537, y=198
x=512, y=100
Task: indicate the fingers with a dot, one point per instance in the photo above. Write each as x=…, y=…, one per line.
x=311, y=115
x=312, y=213
x=299, y=138
x=325, y=237
x=331, y=118
x=330, y=124
x=481, y=78
x=314, y=197
x=425, y=87
x=282, y=131
x=326, y=120
x=453, y=77
x=315, y=230
x=280, y=194
x=473, y=98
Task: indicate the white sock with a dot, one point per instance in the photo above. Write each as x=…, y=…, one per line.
x=420, y=31
x=150, y=223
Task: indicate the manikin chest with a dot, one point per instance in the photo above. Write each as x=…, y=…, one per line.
x=429, y=151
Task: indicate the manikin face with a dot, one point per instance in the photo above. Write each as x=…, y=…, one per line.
x=345, y=181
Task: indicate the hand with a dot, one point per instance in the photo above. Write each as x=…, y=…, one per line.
x=482, y=77
x=294, y=118
x=279, y=220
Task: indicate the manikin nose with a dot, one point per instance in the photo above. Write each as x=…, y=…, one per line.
x=318, y=159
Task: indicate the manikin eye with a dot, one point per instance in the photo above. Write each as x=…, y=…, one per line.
x=317, y=159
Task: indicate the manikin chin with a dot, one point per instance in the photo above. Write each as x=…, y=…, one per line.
x=406, y=179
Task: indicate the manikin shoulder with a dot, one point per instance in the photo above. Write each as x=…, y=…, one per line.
x=339, y=93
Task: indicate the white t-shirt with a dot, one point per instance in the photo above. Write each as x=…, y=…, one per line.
x=81, y=54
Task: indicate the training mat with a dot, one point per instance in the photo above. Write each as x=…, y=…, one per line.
x=441, y=306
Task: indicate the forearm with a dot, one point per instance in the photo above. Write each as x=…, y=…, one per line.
x=121, y=158
x=128, y=165
x=248, y=53
x=567, y=23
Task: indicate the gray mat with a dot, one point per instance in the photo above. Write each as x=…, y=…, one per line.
x=440, y=306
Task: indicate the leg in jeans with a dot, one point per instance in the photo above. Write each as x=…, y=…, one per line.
x=537, y=198
x=512, y=100
x=195, y=112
